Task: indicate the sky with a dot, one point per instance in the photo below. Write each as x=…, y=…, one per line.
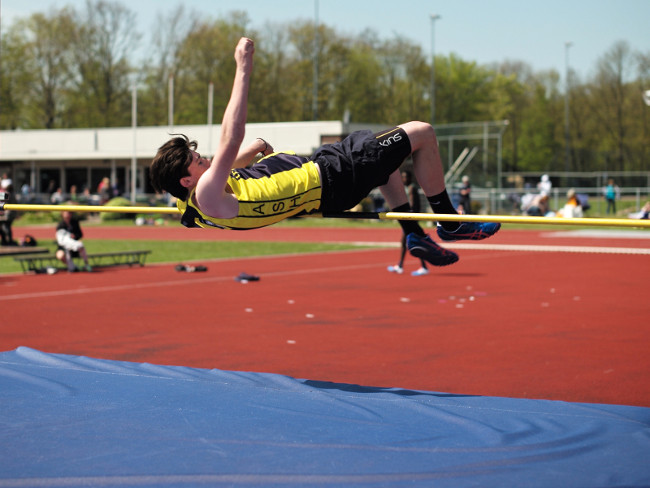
x=483, y=31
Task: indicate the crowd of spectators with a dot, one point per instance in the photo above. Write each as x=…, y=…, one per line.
x=55, y=195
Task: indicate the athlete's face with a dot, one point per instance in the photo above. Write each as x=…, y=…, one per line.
x=196, y=168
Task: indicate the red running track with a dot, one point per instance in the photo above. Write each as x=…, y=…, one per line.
x=503, y=321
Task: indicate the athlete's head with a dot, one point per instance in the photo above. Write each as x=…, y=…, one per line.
x=171, y=165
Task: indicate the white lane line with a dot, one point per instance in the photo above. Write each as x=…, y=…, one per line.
x=214, y=279
x=529, y=248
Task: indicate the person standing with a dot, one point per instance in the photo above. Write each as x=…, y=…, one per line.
x=414, y=206
x=465, y=201
x=611, y=195
x=7, y=217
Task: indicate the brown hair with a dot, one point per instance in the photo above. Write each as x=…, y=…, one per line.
x=170, y=165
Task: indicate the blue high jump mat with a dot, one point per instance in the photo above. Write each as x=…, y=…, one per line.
x=78, y=421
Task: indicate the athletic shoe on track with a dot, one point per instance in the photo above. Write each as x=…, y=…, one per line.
x=420, y=272
x=423, y=247
x=474, y=231
x=395, y=269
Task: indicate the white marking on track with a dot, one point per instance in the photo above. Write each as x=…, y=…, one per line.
x=335, y=269
x=528, y=248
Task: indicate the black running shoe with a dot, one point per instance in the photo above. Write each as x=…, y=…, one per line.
x=425, y=248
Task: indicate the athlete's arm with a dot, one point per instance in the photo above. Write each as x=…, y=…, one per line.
x=211, y=195
x=247, y=154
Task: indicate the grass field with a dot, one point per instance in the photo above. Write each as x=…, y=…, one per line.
x=177, y=251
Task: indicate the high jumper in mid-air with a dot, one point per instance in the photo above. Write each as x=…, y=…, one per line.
x=228, y=192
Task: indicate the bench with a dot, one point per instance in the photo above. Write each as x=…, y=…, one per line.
x=38, y=263
x=20, y=250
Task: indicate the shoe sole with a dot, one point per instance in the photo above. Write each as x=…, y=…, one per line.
x=474, y=236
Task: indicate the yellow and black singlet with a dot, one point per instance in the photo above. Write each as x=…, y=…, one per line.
x=279, y=186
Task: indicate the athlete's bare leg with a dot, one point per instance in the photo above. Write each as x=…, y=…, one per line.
x=427, y=165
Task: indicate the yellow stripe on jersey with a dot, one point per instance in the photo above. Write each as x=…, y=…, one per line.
x=279, y=186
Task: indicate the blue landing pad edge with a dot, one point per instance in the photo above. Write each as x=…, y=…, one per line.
x=78, y=421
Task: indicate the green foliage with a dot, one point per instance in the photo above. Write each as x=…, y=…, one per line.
x=116, y=202
x=34, y=218
x=464, y=90
x=75, y=68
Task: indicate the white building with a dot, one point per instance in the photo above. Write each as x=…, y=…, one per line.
x=60, y=158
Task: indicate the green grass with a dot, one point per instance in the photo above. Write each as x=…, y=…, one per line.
x=178, y=251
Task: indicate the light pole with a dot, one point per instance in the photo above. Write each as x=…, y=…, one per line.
x=134, y=125
x=170, y=102
x=567, y=137
x=210, y=103
x=433, y=18
x=314, y=103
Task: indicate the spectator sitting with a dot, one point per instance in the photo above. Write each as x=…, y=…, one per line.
x=74, y=197
x=57, y=197
x=86, y=197
x=539, y=206
x=104, y=190
x=583, y=200
x=572, y=209
x=6, y=182
x=26, y=193
x=643, y=214
x=68, y=238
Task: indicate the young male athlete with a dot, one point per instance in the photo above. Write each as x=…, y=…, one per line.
x=224, y=193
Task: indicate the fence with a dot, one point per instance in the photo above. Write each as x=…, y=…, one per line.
x=508, y=201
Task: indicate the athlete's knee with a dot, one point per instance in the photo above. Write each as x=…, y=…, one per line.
x=420, y=134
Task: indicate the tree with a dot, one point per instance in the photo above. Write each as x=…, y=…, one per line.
x=405, y=80
x=302, y=36
x=355, y=82
x=608, y=102
x=205, y=56
x=15, y=75
x=510, y=97
x=542, y=133
x=643, y=132
x=46, y=42
x=163, y=62
x=105, y=38
x=462, y=90
x=68, y=68
x=275, y=92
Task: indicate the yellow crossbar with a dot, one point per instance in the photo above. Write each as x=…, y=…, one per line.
x=20, y=207
x=504, y=219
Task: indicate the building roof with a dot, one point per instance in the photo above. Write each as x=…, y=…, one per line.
x=143, y=142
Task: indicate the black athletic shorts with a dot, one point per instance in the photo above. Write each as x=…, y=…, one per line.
x=350, y=169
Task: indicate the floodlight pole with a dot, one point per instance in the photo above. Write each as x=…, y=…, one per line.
x=134, y=124
x=314, y=103
x=210, y=110
x=567, y=135
x=170, y=102
x=433, y=18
